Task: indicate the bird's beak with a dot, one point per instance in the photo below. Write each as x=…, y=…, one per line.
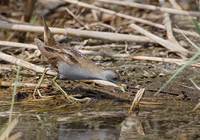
x=122, y=87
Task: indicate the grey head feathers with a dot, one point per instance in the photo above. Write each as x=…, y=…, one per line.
x=110, y=75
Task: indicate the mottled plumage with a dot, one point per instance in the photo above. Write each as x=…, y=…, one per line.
x=70, y=63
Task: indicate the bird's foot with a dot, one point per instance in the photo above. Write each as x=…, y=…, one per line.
x=70, y=98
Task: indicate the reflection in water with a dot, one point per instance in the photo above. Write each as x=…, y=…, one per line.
x=131, y=128
x=45, y=129
x=169, y=122
x=87, y=134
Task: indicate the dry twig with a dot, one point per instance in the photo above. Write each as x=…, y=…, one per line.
x=76, y=19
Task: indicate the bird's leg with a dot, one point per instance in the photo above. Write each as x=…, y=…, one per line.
x=36, y=90
x=70, y=98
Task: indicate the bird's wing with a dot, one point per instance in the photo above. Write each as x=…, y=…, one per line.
x=68, y=55
x=81, y=60
x=50, y=53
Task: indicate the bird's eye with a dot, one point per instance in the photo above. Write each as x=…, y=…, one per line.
x=115, y=78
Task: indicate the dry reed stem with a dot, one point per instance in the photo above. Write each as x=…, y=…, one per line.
x=16, y=44
x=136, y=100
x=166, y=60
x=76, y=19
x=31, y=46
x=76, y=32
x=135, y=19
x=152, y=7
x=168, y=25
x=196, y=107
x=175, y=4
x=15, y=86
x=165, y=43
x=20, y=62
x=170, y=35
x=20, y=84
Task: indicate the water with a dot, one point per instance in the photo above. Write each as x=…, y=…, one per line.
x=104, y=120
x=165, y=117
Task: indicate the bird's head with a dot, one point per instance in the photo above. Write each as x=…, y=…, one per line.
x=110, y=76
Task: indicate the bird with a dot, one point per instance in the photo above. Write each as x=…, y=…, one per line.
x=70, y=63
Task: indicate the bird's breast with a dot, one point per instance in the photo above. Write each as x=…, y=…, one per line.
x=75, y=72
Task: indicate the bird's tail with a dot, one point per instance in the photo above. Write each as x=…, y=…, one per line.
x=41, y=47
x=48, y=36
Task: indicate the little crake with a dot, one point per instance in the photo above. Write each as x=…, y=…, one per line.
x=70, y=63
